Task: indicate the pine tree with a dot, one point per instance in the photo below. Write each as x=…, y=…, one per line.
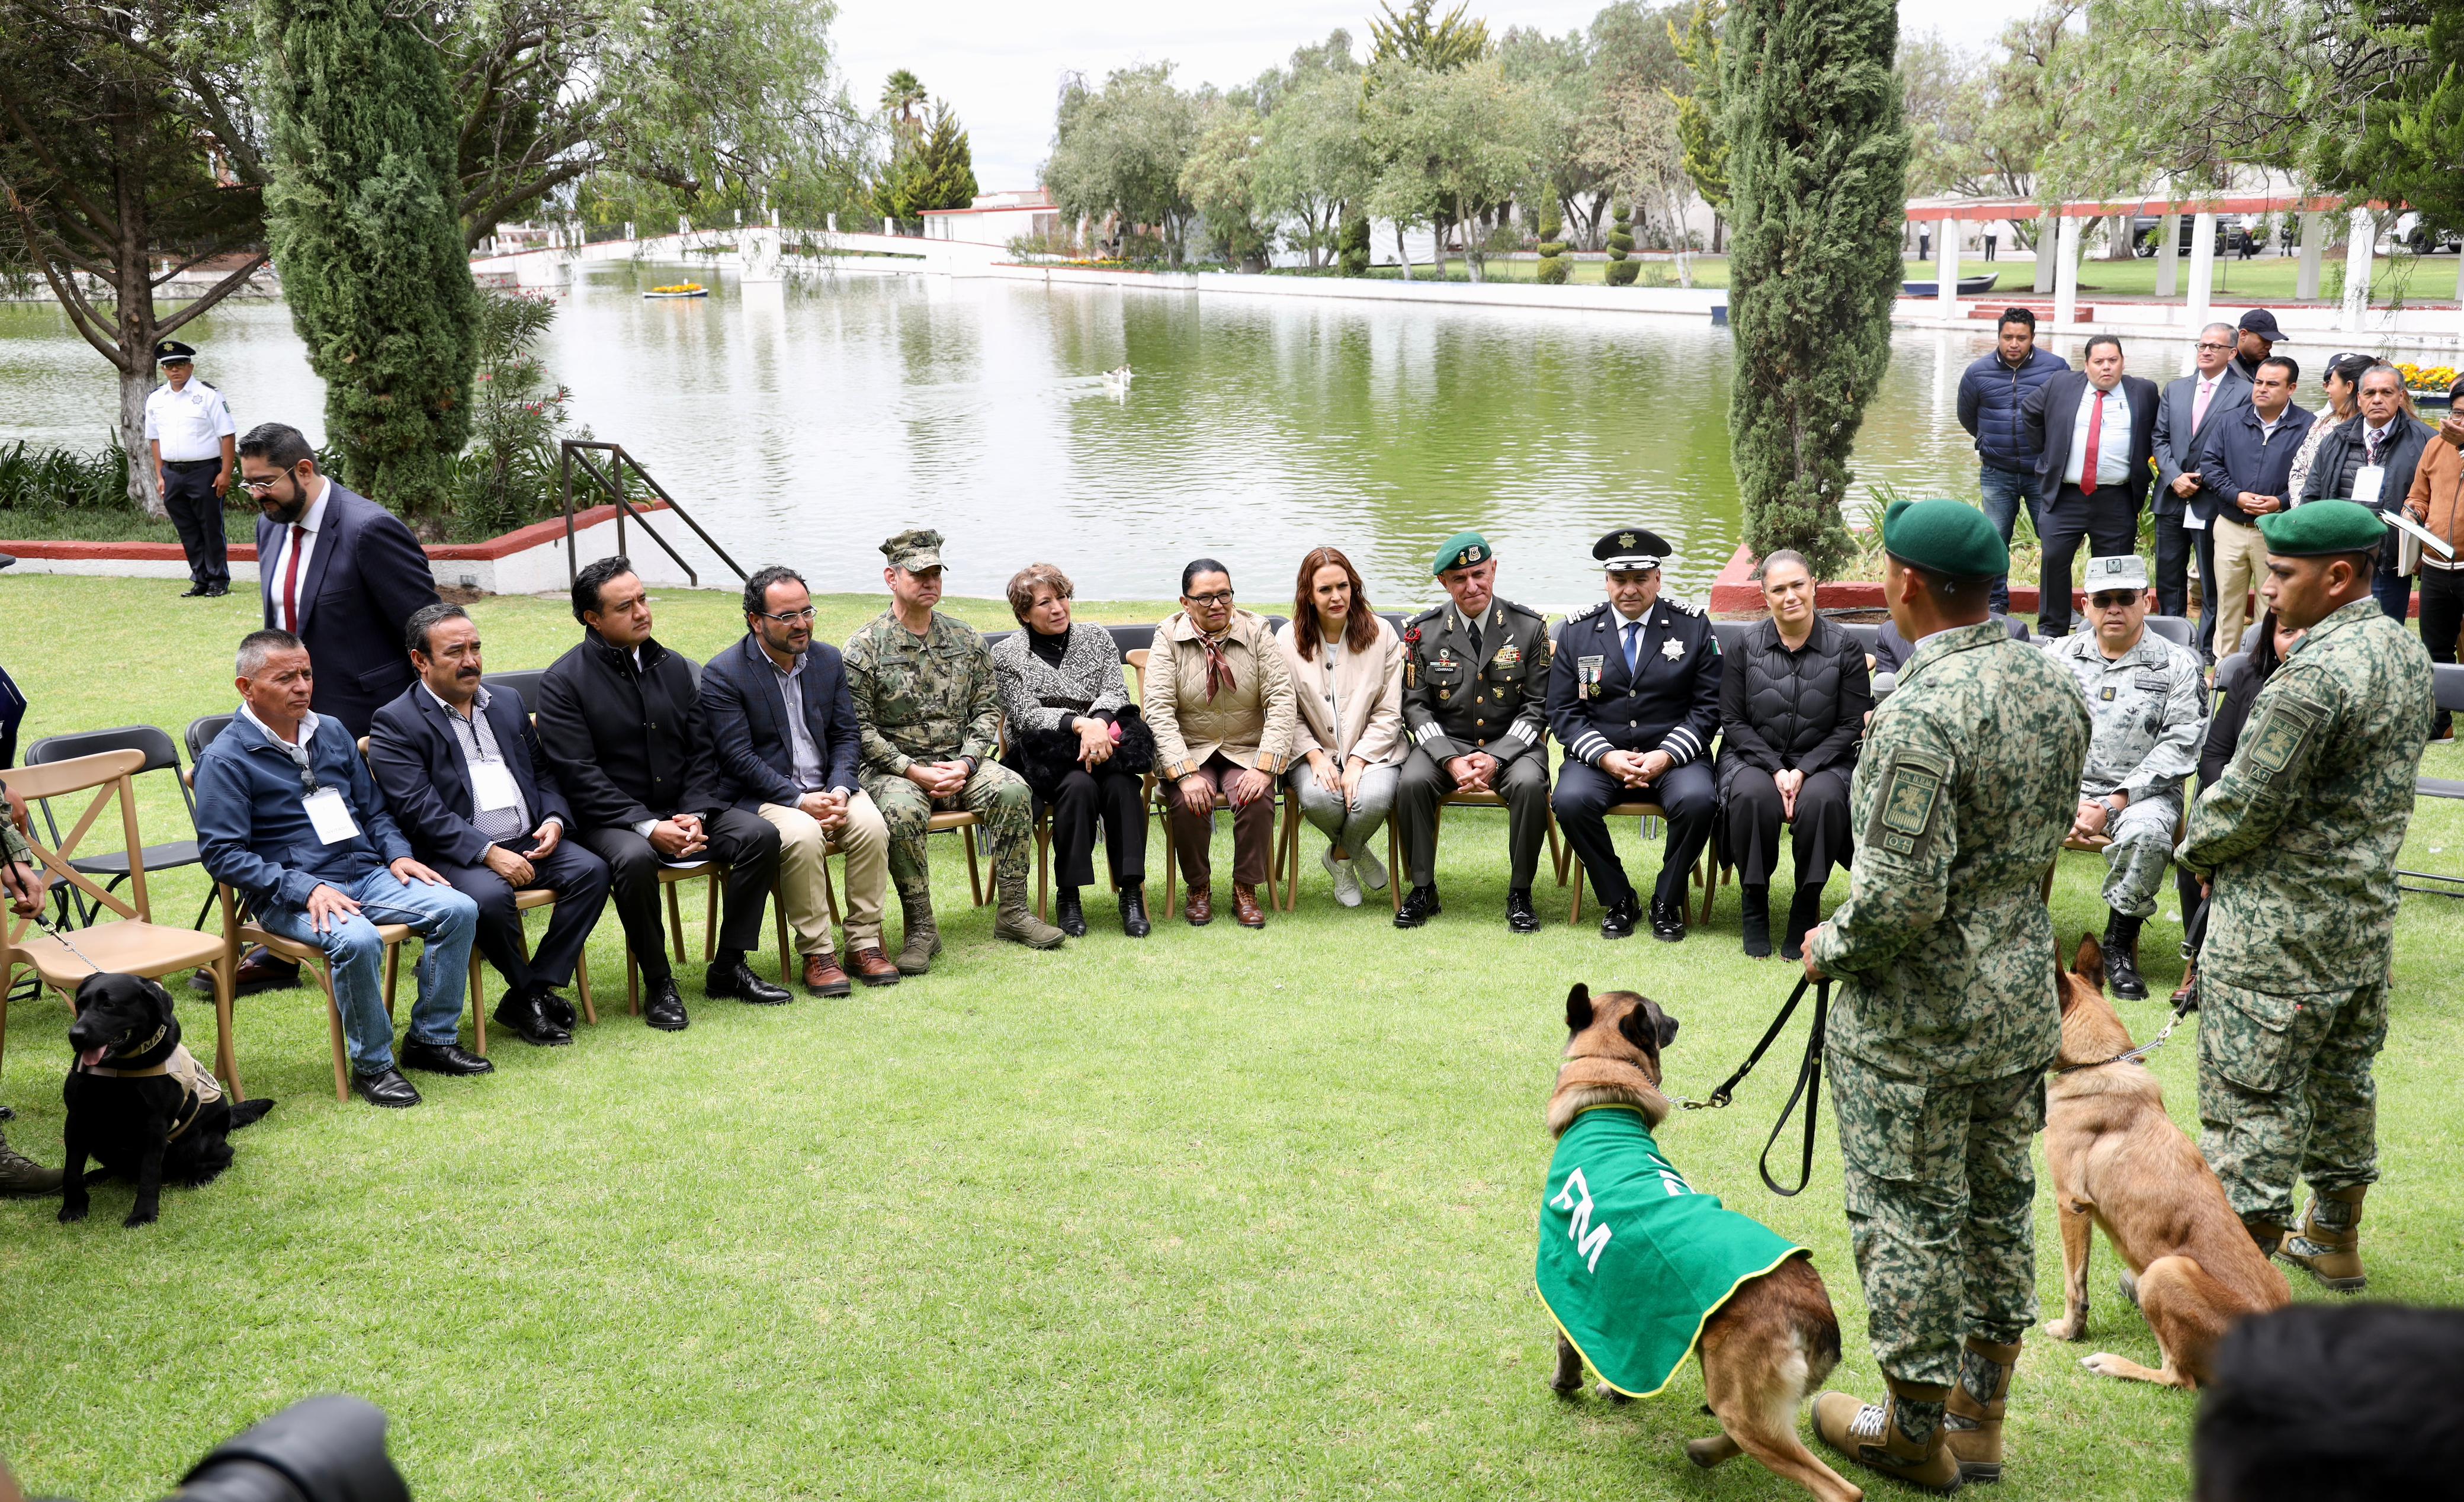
x=1817, y=156
x=1621, y=267
x=362, y=223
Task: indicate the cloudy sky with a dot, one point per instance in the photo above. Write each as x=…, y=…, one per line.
x=999, y=62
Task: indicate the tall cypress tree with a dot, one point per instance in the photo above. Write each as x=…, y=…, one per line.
x=1817, y=155
x=363, y=231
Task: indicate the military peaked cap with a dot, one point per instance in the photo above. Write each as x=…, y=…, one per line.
x=1630, y=550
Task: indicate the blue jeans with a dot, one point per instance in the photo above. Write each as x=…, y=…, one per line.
x=2395, y=594
x=2004, y=491
x=440, y=915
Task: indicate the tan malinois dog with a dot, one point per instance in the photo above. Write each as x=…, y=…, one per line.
x=2119, y=1161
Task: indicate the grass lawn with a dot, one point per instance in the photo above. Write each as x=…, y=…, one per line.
x=1220, y=1214
x=2407, y=279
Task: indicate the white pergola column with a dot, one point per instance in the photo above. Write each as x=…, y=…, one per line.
x=2169, y=255
x=1946, y=270
x=2357, y=253
x=2314, y=250
x=2046, y=234
x=2203, y=270
x=2066, y=255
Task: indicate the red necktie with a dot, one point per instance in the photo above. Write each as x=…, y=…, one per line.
x=291, y=571
x=2095, y=431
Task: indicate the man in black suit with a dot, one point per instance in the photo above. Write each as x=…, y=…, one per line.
x=2094, y=468
x=1634, y=696
x=622, y=721
x=463, y=773
x=335, y=569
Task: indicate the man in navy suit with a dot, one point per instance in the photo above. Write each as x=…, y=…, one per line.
x=1634, y=696
x=335, y=569
x=464, y=778
x=783, y=733
x=2092, y=469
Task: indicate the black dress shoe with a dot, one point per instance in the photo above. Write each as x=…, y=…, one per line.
x=1068, y=914
x=558, y=1010
x=442, y=1058
x=384, y=1088
x=1622, y=915
x=527, y=1017
x=1519, y=916
x=1133, y=911
x=734, y=977
x=194, y=592
x=1667, y=922
x=217, y=591
x=665, y=1009
x=1419, y=906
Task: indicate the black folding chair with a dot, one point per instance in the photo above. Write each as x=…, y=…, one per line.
x=2447, y=683
x=112, y=869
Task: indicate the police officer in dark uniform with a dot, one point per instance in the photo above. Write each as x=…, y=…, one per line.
x=1634, y=695
x=1475, y=681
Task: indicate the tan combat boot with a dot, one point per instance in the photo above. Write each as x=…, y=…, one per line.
x=2267, y=1233
x=1017, y=922
x=2329, y=1241
x=1974, y=1416
x=923, y=937
x=1874, y=1436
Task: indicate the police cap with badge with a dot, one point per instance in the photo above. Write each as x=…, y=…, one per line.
x=1598, y=705
x=171, y=352
x=1630, y=550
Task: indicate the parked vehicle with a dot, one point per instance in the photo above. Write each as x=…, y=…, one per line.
x=2232, y=237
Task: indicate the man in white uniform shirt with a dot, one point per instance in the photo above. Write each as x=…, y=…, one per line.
x=194, y=446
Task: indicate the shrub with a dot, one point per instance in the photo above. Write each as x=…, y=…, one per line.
x=1553, y=251
x=1621, y=267
x=508, y=478
x=1352, y=250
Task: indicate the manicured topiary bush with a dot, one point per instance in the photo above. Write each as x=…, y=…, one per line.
x=1622, y=267
x=1553, y=251
x=1352, y=250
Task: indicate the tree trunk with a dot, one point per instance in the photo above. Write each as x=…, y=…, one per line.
x=1438, y=225
x=1684, y=251
x=1403, y=252
x=133, y=318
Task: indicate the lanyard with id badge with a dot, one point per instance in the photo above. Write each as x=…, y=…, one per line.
x=327, y=814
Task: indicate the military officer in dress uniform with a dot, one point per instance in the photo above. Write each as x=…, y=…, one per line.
x=195, y=448
x=1475, y=674
x=1634, y=696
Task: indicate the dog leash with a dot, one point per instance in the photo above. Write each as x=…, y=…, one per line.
x=2139, y=1054
x=1809, y=1083
x=62, y=940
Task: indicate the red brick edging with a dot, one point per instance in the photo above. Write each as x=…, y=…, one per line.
x=539, y=534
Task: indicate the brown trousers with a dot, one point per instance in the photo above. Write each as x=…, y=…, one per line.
x=1253, y=830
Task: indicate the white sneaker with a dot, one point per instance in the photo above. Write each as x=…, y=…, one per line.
x=1346, y=887
x=1373, y=872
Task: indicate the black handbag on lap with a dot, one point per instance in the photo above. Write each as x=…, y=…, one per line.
x=1045, y=756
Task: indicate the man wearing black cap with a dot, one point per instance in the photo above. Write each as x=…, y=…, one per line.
x=1634, y=696
x=2257, y=338
x=195, y=448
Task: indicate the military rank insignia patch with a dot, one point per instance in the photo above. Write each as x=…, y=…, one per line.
x=1507, y=656
x=1587, y=675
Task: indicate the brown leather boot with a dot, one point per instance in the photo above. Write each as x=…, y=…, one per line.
x=923, y=939
x=823, y=976
x=2329, y=1240
x=1200, y=907
x=1876, y=1435
x=871, y=966
x=1972, y=1418
x=1245, y=905
x=22, y=1178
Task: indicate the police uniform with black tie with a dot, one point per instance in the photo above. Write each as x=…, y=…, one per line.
x=1642, y=685
x=190, y=430
x=1474, y=686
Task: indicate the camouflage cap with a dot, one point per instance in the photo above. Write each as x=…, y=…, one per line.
x=916, y=550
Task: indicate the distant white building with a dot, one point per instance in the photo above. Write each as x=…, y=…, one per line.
x=995, y=218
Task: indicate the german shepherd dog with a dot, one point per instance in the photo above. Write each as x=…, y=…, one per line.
x=2119, y=1161
x=1776, y=1337
x=137, y=1102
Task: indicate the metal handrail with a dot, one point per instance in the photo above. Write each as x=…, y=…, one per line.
x=612, y=483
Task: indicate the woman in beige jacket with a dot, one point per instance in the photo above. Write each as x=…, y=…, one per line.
x=1221, y=706
x=1347, y=668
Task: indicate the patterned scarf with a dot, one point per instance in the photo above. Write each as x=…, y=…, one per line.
x=1218, y=668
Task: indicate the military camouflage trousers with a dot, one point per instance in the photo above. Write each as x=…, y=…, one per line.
x=1939, y=1201
x=2285, y=1091
x=2142, y=849
x=995, y=794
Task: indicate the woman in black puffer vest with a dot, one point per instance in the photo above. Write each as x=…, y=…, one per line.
x=1792, y=707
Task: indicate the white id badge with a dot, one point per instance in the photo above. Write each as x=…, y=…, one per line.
x=491, y=785
x=330, y=816
x=2192, y=521
x=2368, y=481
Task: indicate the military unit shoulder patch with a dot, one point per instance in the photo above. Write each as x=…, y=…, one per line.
x=2282, y=731
x=1903, y=812
x=1587, y=611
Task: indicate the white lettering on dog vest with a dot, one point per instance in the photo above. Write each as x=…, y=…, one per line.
x=1589, y=1240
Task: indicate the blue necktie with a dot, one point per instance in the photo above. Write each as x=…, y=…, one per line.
x=1633, y=645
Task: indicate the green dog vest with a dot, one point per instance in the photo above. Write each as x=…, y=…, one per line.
x=1631, y=1260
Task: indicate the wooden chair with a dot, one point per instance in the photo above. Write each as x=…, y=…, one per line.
x=1704, y=875
x=132, y=943
x=1395, y=880
x=1157, y=792
x=241, y=929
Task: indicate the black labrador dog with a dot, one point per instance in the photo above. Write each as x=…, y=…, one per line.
x=138, y=1103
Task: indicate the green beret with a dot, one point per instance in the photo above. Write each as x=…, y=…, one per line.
x=1461, y=551
x=1947, y=536
x=2322, y=527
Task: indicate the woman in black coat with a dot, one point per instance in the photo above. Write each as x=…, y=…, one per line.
x=1792, y=706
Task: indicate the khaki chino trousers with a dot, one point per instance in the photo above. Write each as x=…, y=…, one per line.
x=865, y=840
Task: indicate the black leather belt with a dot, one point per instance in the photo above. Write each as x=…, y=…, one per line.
x=186, y=465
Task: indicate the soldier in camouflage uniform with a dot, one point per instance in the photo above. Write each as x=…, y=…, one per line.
x=930, y=725
x=2299, y=840
x=1947, y=1016
x=2149, y=701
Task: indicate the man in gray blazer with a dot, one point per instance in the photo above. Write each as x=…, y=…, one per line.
x=2185, y=506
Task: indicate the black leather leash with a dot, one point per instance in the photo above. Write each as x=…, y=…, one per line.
x=1809, y=1083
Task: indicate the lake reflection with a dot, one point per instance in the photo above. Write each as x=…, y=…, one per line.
x=806, y=426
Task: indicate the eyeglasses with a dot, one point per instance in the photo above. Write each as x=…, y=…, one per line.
x=2114, y=599
x=260, y=487
x=788, y=617
x=1210, y=601
x=2213, y=349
